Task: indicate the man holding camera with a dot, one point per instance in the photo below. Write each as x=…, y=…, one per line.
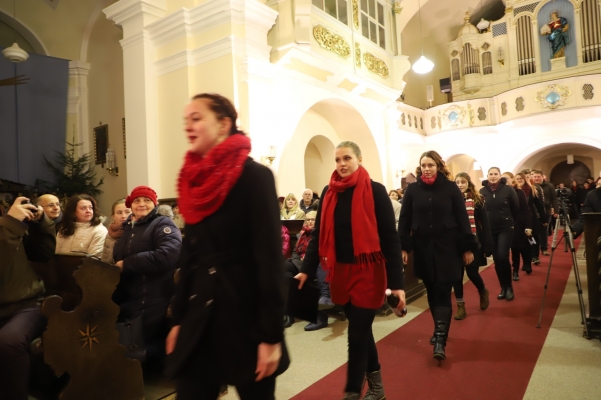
x=550, y=200
x=20, y=316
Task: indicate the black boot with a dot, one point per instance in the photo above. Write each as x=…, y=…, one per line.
x=288, y=321
x=442, y=321
x=509, y=293
x=503, y=293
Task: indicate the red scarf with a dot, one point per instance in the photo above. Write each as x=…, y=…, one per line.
x=303, y=242
x=469, y=206
x=204, y=183
x=366, y=241
x=428, y=181
x=527, y=189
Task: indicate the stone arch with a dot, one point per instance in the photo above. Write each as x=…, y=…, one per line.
x=28, y=34
x=334, y=120
x=465, y=163
x=318, y=154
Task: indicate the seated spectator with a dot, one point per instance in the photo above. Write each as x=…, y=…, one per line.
x=293, y=264
x=396, y=206
x=178, y=219
x=147, y=253
x=119, y=215
x=308, y=204
x=290, y=210
x=20, y=317
x=52, y=207
x=281, y=201
x=285, y=242
x=80, y=230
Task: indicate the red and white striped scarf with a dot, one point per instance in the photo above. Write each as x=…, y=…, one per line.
x=469, y=206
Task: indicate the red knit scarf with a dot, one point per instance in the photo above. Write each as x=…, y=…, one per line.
x=469, y=206
x=204, y=183
x=366, y=241
x=493, y=186
x=428, y=181
x=303, y=242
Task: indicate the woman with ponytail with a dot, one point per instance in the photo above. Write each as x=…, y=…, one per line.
x=476, y=211
x=434, y=225
x=228, y=309
x=356, y=242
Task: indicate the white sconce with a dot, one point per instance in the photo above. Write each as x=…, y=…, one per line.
x=111, y=164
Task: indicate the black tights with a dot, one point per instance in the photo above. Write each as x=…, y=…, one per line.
x=474, y=275
x=502, y=241
x=362, y=351
x=526, y=253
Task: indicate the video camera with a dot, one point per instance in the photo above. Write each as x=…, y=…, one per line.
x=564, y=198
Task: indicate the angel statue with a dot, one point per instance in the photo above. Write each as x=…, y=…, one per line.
x=557, y=30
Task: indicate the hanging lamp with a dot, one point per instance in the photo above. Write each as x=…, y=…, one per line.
x=14, y=53
x=423, y=65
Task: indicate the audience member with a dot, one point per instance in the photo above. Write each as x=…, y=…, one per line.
x=20, y=317
x=396, y=206
x=147, y=253
x=308, y=204
x=52, y=207
x=291, y=210
x=119, y=214
x=178, y=219
x=285, y=242
x=80, y=231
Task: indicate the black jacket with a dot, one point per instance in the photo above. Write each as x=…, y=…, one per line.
x=592, y=203
x=149, y=249
x=435, y=225
x=312, y=206
x=484, y=235
x=232, y=289
x=503, y=206
x=537, y=212
x=343, y=234
x=523, y=222
x=550, y=197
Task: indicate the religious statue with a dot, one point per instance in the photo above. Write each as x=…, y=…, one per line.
x=557, y=30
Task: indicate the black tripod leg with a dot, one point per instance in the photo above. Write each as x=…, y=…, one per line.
x=554, y=245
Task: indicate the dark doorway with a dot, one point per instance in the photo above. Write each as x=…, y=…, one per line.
x=565, y=173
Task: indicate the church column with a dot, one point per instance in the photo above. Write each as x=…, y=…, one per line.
x=140, y=88
x=77, y=107
x=577, y=26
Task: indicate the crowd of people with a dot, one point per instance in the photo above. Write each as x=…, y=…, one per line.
x=229, y=307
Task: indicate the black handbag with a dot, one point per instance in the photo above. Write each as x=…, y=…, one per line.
x=131, y=335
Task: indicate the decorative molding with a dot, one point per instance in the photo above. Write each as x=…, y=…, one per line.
x=454, y=115
x=356, y=14
x=331, y=41
x=470, y=113
x=519, y=104
x=125, y=11
x=396, y=8
x=375, y=64
x=357, y=55
x=553, y=96
x=587, y=91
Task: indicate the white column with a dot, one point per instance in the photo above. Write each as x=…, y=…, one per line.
x=140, y=88
x=78, y=105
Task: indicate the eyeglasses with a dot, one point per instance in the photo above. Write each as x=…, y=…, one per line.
x=84, y=208
x=310, y=220
x=52, y=205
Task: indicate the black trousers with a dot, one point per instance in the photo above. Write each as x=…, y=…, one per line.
x=502, y=241
x=16, y=334
x=526, y=252
x=473, y=272
x=362, y=351
x=543, y=237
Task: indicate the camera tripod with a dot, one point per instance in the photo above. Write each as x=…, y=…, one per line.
x=564, y=222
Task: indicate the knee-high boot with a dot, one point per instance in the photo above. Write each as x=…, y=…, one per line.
x=442, y=323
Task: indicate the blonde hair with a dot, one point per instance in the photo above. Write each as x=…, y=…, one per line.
x=285, y=205
x=351, y=145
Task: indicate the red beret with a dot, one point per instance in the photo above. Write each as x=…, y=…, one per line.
x=141, y=191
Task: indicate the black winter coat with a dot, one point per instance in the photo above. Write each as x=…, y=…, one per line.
x=523, y=222
x=550, y=197
x=232, y=289
x=149, y=249
x=484, y=235
x=537, y=212
x=503, y=206
x=343, y=234
x=435, y=225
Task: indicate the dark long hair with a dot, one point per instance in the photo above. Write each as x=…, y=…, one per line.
x=441, y=166
x=222, y=107
x=67, y=226
x=471, y=188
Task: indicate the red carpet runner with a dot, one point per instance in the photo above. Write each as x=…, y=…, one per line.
x=490, y=355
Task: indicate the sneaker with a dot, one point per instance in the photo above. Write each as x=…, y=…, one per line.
x=536, y=261
x=325, y=303
x=545, y=253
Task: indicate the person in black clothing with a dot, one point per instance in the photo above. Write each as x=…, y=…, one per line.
x=537, y=210
x=503, y=209
x=434, y=224
x=592, y=203
x=229, y=304
x=476, y=211
x=521, y=233
x=355, y=239
x=550, y=200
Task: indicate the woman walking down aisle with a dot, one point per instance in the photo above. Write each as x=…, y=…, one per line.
x=537, y=211
x=229, y=303
x=355, y=239
x=521, y=233
x=503, y=208
x=434, y=224
x=476, y=211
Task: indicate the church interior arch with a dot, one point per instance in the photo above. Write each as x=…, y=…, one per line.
x=318, y=155
x=466, y=163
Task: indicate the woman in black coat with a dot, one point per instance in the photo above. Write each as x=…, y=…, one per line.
x=476, y=210
x=147, y=253
x=522, y=232
x=503, y=209
x=229, y=305
x=435, y=225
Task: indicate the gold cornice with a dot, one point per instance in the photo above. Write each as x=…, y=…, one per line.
x=331, y=41
x=375, y=65
x=357, y=55
x=356, y=14
x=396, y=8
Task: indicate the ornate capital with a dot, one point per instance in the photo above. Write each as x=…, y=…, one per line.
x=375, y=65
x=331, y=41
